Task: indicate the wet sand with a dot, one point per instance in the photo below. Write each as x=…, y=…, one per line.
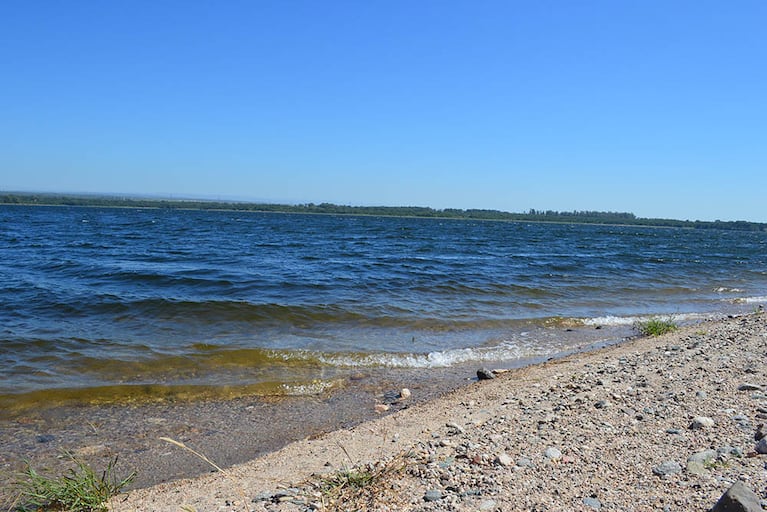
x=231, y=431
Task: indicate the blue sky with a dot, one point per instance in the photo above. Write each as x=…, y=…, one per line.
x=653, y=107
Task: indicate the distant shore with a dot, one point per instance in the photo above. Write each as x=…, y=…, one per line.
x=548, y=216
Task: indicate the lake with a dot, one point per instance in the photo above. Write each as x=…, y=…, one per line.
x=114, y=304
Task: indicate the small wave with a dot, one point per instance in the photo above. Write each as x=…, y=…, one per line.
x=611, y=320
x=219, y=311
x=436, y=359
x=751, y=300
x=618, y=321
x=724, y=289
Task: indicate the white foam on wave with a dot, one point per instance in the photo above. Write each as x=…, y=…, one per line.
x=723, y=289
x=437, y=359
x=611, y=320
x=751, y=300
x=616, y=321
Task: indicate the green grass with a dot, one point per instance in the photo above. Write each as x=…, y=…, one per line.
x=360, y=488
x=656, y=326
x=81, y=489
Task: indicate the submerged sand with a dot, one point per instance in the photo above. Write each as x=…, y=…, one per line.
x=613, y=429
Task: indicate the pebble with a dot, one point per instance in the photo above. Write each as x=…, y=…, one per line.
x=433, y=495
x=552, y=453
x=524, y=462
x=290, y=492
x=697, y=462
x=262, y=496
x=488, y=505
x=727, y=451
x=404, y=394
x=503, y=459
x=699, y=422
x=485, y=374
x=741, y=418
x=747, y=386
x=592, y=503
x=761, y=446
x=669, y=467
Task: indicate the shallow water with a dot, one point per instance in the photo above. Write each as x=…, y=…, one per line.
x=108, y=304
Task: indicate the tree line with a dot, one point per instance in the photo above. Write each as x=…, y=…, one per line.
x=532, y=215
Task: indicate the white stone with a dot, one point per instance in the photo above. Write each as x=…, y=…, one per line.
x=552, y=453
x=699, y=422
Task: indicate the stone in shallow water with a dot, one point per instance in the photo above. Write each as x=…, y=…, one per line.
x=738, y=498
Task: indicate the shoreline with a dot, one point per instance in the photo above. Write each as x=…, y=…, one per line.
x=96, y=431
x=692, y=371
x=617, y=421
x=615, y=414
x=555, y=337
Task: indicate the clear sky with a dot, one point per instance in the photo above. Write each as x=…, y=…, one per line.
x=657, y=107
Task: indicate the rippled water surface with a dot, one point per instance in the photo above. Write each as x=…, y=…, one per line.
x=122, y=302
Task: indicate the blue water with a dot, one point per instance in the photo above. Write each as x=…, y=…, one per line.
x=96, y=297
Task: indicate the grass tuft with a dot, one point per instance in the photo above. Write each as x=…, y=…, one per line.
x=361, y=488
x=656, y=326
x=81, y=489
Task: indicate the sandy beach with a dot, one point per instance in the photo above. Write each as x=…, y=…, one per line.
x=663, y=423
